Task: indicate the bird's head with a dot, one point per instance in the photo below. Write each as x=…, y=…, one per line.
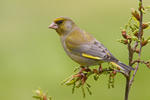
x=63, y=25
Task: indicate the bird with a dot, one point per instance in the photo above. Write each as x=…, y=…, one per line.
x=82, y=47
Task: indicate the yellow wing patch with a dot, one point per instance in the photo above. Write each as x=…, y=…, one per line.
x=90, y=56
x=114, y=64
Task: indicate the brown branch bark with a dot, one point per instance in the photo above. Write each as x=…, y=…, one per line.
x=139, y=61
x=127, y=89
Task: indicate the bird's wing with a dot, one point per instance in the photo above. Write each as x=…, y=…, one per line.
x=90, y=49
x=97, y=51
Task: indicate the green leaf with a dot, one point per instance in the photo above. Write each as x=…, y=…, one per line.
x=73, y=88
x=95, y=77
x=88, y=85
x=83, y=91
x=89, y=91
x=36, y=97
x=143, y=11
x=49, y=98
x=71, y=81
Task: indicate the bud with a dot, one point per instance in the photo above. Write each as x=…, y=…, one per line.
x=134, y=38
x=145, y=25
x=136, y=33
x=114, y=72
x=144, y=42
x=148, y=64
x=129, y=37
x=137, y=50
x=125, y=42
x=77, y=75
x=95, y=71
x=38, y=92
x=135, y=14
x=124, y=34
x=44, y=97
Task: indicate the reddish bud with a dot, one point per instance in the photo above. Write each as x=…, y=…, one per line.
x=125, y=41
x=148, y=65
x=124, y=34
x=135, y=14
x=145, y=25
x=44, y=97
x=77, y=75
x=137, y=50
x=144, y=42
x=128, y=37
x=95, y=71
x=114, y=72
x=136, y=34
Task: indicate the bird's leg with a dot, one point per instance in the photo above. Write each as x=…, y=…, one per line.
x=82, y=75
x=100, y=69
x=82, y=69
x=83, y=78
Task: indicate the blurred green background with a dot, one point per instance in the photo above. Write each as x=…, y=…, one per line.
x=31, y=55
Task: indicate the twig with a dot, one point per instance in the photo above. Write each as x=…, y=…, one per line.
x=135, y=45
x=139, y=61
x=119, y=71
x=130, y=50
x=130, y=53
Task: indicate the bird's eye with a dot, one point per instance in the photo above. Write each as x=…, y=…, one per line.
x=59, y=22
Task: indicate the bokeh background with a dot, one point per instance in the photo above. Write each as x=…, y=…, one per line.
x=31, y=55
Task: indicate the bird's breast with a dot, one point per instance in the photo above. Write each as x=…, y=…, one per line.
x=78, y=58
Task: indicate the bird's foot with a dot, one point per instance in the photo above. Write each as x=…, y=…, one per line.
x=99, y=70
x=82, y=74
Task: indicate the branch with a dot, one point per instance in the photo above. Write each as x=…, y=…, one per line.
x=133, y=50
x=130, y=50
x=140, y=38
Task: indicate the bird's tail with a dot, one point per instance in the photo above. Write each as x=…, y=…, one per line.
x=122, y=66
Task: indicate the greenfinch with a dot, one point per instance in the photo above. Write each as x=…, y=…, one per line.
x=82, y=47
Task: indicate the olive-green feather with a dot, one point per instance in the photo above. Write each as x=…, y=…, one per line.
x=77, y=38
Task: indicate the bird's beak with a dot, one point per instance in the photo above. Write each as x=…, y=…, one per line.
x=53, y=26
